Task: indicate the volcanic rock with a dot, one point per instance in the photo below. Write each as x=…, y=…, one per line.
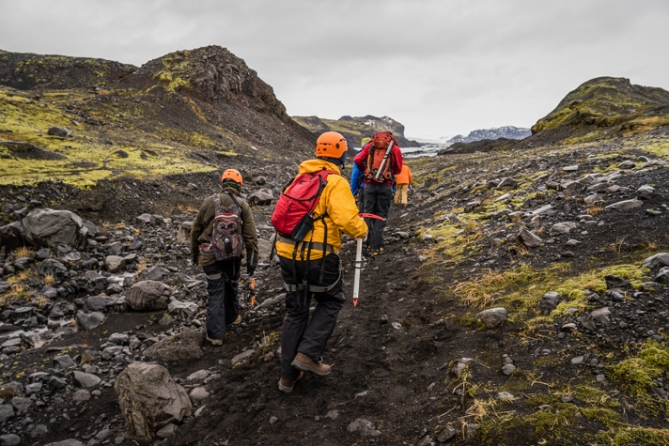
x=149, y=398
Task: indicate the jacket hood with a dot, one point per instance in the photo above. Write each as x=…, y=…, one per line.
x=314, y=165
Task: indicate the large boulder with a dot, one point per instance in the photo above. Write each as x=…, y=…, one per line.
x=149, y=398
x=54, y=227
x=148, y=295
x=182, y=346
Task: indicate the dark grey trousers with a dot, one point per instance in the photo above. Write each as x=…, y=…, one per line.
x=223, y=305
x=300, y=334
x=378, y=197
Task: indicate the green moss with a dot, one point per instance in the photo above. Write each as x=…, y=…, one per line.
x=633, y=436
x=605, y=416
x=593, y=396
x=635, y=375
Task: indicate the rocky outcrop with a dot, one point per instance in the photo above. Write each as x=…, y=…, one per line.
x=150, y=399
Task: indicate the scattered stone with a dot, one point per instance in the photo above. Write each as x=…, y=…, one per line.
x=114, y=264
x=85, y=380
x=505, y=396
x=60, y=132
x=661, y=259
x=493, y=317
x=529, y=238
x=446, y=434
x=200, y=375
x=613, y=282
x=562, y=228
x=577, y=360
x=625, y=205
x=166, y=431
x=198, y=394
x=365, y=427
x=81, y=395
x=182, y=346
x=242, y=356
x=63, y=362
x=549, y=301
x=10, y=440
x=645, y=192
x=148, y=295
x=508, y=369
x=149, y=399
x=573, y=168
x=627, y=164
x=20, y=403
x=89, y=321
x=6, y=412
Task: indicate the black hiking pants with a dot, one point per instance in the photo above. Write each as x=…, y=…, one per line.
x=378, y=197
x=222, y=287
x=300, y=334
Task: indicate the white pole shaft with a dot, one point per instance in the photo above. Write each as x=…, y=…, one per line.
x=358, y=266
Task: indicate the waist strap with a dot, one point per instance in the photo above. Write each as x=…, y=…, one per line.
x=316, y=246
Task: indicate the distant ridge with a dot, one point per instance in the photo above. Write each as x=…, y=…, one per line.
x=356, y=128
x=508, y=132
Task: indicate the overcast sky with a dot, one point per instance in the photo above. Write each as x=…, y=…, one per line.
x=440, y=67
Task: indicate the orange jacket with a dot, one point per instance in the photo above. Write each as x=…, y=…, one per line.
x=404, y=177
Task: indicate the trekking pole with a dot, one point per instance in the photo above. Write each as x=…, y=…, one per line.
x=383, y=161
x=251, y=284
x=358, y=267
x=358, y=261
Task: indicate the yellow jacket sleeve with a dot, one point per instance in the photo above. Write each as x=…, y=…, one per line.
x=342, y=209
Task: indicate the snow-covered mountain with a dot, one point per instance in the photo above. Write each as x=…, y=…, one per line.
x=509, y=132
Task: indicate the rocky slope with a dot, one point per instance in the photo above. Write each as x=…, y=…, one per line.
x=521, y=299
x=356, y=128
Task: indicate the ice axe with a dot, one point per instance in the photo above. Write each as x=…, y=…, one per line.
x=382, y=166
x=358, y=260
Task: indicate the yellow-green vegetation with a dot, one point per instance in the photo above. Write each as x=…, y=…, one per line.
x=522, y=287
x=632, y=436
x=86, y=158
x=176, y=67
x=635, y=375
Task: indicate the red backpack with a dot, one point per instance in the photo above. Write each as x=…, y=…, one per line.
x=382, y=143
x=293, y=216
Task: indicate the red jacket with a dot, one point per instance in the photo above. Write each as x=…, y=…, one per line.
x=360, y=160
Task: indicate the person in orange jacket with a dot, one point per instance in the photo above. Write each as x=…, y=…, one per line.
x=403, y=180
x=311, y=268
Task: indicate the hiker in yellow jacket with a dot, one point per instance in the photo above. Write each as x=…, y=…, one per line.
x=402, y=181
x=312, y=269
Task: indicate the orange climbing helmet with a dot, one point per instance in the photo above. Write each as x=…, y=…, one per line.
x=233, y=175
x=331, y=145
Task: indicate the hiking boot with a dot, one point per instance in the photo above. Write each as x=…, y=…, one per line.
x=286, y=385
x=215, y=341
x=238, y=320
x=305, y=363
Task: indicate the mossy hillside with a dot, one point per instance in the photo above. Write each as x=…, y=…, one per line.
x=606, y=107
x=88, y=157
